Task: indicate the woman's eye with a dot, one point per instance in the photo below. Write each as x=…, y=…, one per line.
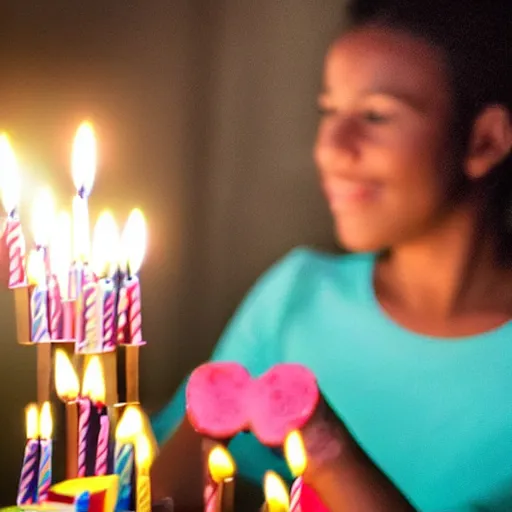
x=373, y=116
x=324, y=111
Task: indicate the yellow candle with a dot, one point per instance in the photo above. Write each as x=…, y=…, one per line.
x=143, y=463
x=221, y=492
x=67, y=386
x=276, y=493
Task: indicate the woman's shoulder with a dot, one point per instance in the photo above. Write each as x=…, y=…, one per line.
x=304, y=271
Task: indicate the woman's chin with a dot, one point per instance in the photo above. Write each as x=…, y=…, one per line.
x=360, y=241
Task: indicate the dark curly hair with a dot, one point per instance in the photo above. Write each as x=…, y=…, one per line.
x=475, y=37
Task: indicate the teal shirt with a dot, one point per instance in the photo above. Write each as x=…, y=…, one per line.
x=434, y=414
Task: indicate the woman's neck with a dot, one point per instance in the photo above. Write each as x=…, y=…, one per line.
x=450, y=276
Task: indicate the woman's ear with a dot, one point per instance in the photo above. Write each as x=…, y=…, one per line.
x=490, y=141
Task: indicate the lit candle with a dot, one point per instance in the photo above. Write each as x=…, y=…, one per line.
x=93, y=391
x=104, y=260
x=134, y=247
x=60, y=261
x=220, y=490
x=15, y=241
x=28, y=480
x=39, y=330
x=67, y=387
x=129, y=426
x=83, y=167
x=143, y=464
x=45, y=459
x=276, y=493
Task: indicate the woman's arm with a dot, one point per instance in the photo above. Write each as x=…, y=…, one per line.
x=342, y=475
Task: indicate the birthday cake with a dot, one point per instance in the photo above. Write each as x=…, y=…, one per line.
x=78, y=304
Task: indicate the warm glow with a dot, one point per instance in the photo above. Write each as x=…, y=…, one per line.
x=130, y=424
x=10, y=183
x=60, y=251
x=134, y=240
x=220, y=464
x=143, y=455
x=83, y=160
x=45, y=421
x=295, y=453
x=105, y=246
x=43, y=217
x=66, y=379
x=93, y=385
x=36, y=272
x=81, y=236
x=276, y=493
x=32, y=421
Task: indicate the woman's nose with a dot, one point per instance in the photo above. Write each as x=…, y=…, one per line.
x=337, y=142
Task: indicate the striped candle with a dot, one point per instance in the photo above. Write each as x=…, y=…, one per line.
x=45, y=470
x=28, y=480
x=102, y=447
x=55, y=306
x=39, y=315
x=134, y=310
x=89, y=343
x=295, y=495
x=122, y=314
x=109, y=314
x=16, y=250
x=123, y=467
x=84, y=422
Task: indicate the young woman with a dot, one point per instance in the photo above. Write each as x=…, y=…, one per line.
x=410, y=335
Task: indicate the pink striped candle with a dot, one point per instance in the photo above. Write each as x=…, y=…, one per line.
x=28, y=480
x=122, y=314
x=134, y=310
x=108, y=314
x=55, y=306
x=84, y=422
x=15, y=242
x=102, y=448
x=91, y=319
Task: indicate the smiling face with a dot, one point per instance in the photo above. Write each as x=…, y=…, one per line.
x=383, y=145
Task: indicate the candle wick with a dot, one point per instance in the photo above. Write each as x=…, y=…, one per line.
x=82, y=193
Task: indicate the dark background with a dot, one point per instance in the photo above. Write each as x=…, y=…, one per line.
x=205, y=113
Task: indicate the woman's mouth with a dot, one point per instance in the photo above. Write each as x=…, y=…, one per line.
x=344, y=193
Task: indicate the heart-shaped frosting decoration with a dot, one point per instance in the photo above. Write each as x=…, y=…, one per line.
x=216, y=399
x=281, y=400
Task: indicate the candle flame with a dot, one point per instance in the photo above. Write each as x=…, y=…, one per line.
x=66, y=379
x=81, y=237
x=32, y=421
x=105, y=246
x=43, y=217
x=276, y=493
x=83, y=160
x=45, y=421
x=143, y=453
x=220, y=464
x=134, y=240
x=9, y=176
x=36, y=273
x=93, y=385
x=130, y=424
x=295, y=453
